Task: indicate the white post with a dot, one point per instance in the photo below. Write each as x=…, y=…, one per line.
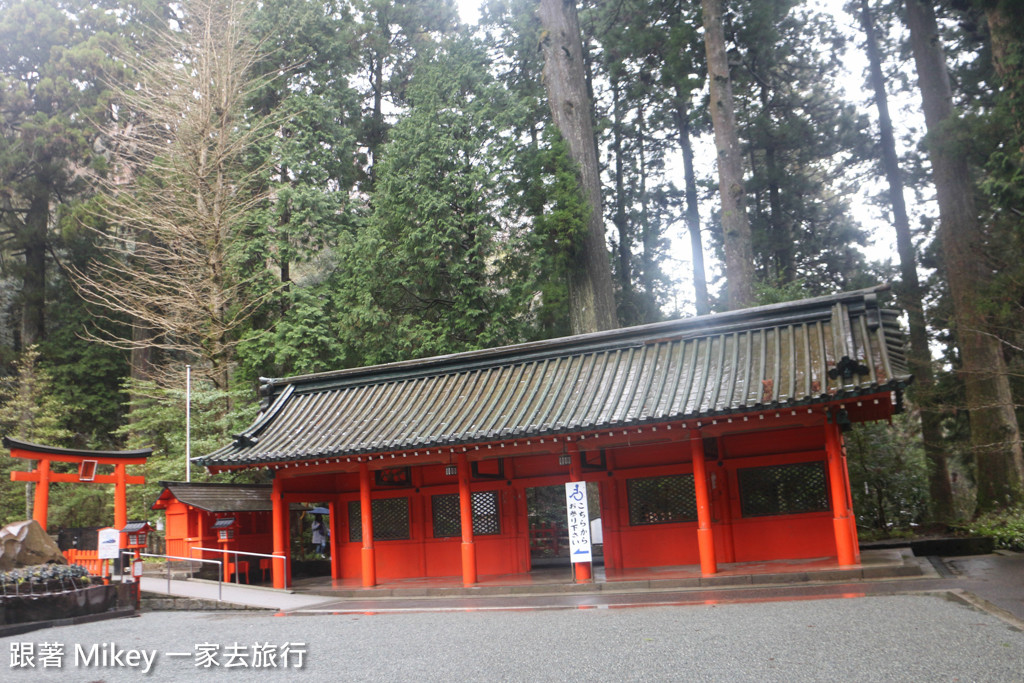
x=188, y=423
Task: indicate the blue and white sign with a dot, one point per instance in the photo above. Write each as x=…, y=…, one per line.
x=579, y=521
x=109, y=543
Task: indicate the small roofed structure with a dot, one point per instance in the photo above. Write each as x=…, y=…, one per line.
x=136, y=536
x=715, y=438
x=196, y=512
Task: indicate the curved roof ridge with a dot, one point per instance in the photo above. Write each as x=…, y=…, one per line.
x=11, y=442
x=711, y=323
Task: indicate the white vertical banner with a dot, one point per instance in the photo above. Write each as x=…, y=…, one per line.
x=579, y=521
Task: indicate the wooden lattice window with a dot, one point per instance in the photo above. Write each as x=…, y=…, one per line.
x=448, y=521
x=783, y=489
x=390, y=520
x=662, y=500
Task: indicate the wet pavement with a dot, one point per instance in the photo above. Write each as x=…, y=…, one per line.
x=997, y=578
x=919, y=637
x=992, y=582
x=897, y=617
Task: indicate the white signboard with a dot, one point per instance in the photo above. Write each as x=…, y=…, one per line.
x=109, y=543
x=579, y=521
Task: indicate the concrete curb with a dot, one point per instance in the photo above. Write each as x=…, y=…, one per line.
x=9, y=630
x=911, y=567
x=971, y=600
x=154, y=602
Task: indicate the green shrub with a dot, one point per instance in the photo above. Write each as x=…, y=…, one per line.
x=1005, y=526
x=888, y=477
x=74, y=575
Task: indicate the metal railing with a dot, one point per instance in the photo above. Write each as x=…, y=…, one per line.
x=219, y=563
x=236, y=553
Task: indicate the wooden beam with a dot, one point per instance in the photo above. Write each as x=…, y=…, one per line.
x=72, y=477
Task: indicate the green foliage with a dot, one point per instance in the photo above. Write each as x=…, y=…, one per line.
x=85, y=377
x=446, y=260
x=30, y=412
x=43, y=577
x=802, y=140
x=778, y=291
x=158, y=422
x=887, y=474
x=1005, y=526
x=653, y=64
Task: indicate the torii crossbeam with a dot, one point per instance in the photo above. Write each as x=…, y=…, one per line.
x=87, y=462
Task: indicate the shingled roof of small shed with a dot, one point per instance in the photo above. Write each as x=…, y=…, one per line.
x=794, y=353
x=217, y=497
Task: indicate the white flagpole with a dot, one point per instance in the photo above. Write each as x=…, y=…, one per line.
x=188, y=423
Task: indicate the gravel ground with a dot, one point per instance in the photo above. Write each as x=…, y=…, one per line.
x=891, y=638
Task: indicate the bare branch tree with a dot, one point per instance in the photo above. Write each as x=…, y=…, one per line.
x=182, y=185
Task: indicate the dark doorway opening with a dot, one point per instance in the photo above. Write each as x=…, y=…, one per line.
x=549, y=535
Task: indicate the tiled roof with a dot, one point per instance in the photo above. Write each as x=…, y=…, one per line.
x=794, y=353
x=217, y=497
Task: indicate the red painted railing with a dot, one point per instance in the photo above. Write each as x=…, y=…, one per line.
x=90, y=560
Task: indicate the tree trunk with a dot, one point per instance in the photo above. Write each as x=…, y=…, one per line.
x=647, y=306
x=995, y=435
x=627, y=309
x=909, y=291
x=33, y=289
x=700, y=282
x=591, y=302
x=1007, y=39
x=736, y=240
x=141, y=361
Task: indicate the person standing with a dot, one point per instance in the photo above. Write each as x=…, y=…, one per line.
x=319, y=535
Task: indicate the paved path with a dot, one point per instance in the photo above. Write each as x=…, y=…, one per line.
x=875, y=638
x=998, y=580
x=249, y=596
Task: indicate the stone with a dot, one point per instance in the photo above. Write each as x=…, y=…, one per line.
x=25, y=544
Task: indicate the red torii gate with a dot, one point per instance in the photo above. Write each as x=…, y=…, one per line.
x=87, y=462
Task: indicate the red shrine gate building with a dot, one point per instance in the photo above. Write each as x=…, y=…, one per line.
x=714, y=439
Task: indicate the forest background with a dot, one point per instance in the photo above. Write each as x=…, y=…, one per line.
x=277, y=188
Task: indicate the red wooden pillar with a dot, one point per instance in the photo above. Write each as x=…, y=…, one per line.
x=332, y=538
x=851, y=518
x=705, y=535
x=42, y=499
x=466, y=519
x=368, y=557
x=121, y=501
x=724, y=492
x=280, y=534
x=609, y=524
x=845, y=550
x=583, y=573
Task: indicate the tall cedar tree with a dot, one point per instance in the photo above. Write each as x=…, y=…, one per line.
x=312, y=165
x=591, y=299
x=736, y=237
x=800, y=141
x=909, y=289
x=450, y=258
x=390, y=35
x=648, y=65
x=995, y=434
x=49, y=76
x=1005, y=167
